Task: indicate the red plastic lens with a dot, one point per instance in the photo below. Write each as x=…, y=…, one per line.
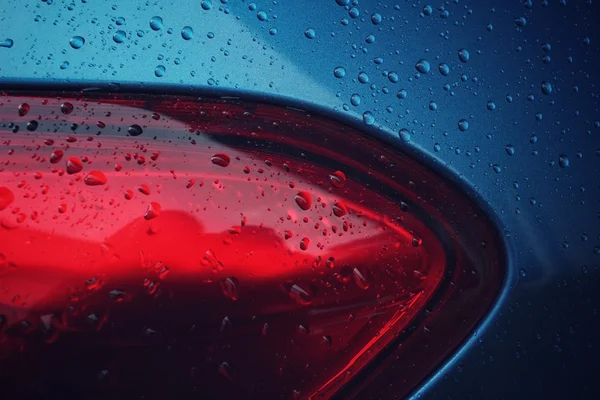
x=166, y=247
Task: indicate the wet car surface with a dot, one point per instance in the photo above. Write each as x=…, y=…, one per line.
x=501, y=99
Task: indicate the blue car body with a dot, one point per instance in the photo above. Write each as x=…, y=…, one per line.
x=501, y=95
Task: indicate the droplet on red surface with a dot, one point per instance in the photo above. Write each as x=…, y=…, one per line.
x=304, y=200
x=62, y=208
x=74, y=165
x=326, y=340
x=23, y=109
x=225, y=370
x=339, y=209
x=118, y=167
x=190, y=183
x=144, y=189
x=95, y=178
x=287, y=234
x=304, y=243
x=56, y=156
x=337, y=179
x=330, y=263
x=6, y=197
x=302, y=293
x=230, y=287
x=221, y=159
x=66, y=108
x=152, y=211
x=361, y=277
x=235, y=230
x=128, y=194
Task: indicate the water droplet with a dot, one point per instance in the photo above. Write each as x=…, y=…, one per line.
x=463, y=55
x=128, y=194
x=437, y=147
x=273, y=31
x=144, y=189
x=135, y=130
x=497, y=169
x=361, y=277
x=156, y=23
x=6, y=197
x=546, y=47
x=187, y=33
x=7, y=43
x=563, y=161
x=159, y=71
x=546, y=87
x=427, y=10
x=56, y=156
x=423, y=66
x=376, y=18
x=491, y=106
x=368, y=118
x=66, y=108
x=310, y=33
x=393, y=77
x=444, y=69
x=521, y=22
x=221, y=159
x=354, y=12
x=337, y=179
x=119, y=36
x=76, y=42
x=120, y=21
x=402, y=93
x=433, y=105
x=304, y=243
x=225, y=370
x=64, y=65
x=342, y=2
x=339, y=72
x=304, y=200
x=32, y=125
x=23, y=109
x=522, y=272
x=339, y=209
x=363, y=77
x=370, y=39
x=355, y=99
x=302, y=293
x=230, y=288
x=74, y=165
x=262, y=16
x=463, y=125
x=95, y=178
x=405, y=135
x=152, y=211
x=510, y=149
x=539, y=116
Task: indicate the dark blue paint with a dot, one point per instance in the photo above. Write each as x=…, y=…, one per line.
x=542, y=336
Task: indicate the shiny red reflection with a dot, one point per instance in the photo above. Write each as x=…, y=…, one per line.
x=205, y=246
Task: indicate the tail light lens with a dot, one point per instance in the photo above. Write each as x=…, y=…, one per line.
x=171, y=247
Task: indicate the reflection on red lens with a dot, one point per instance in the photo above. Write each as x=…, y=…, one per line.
x=210, y=253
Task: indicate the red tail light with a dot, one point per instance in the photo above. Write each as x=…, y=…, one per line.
x=172, y=247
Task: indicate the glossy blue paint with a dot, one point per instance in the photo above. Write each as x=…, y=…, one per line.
x=543, y=329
